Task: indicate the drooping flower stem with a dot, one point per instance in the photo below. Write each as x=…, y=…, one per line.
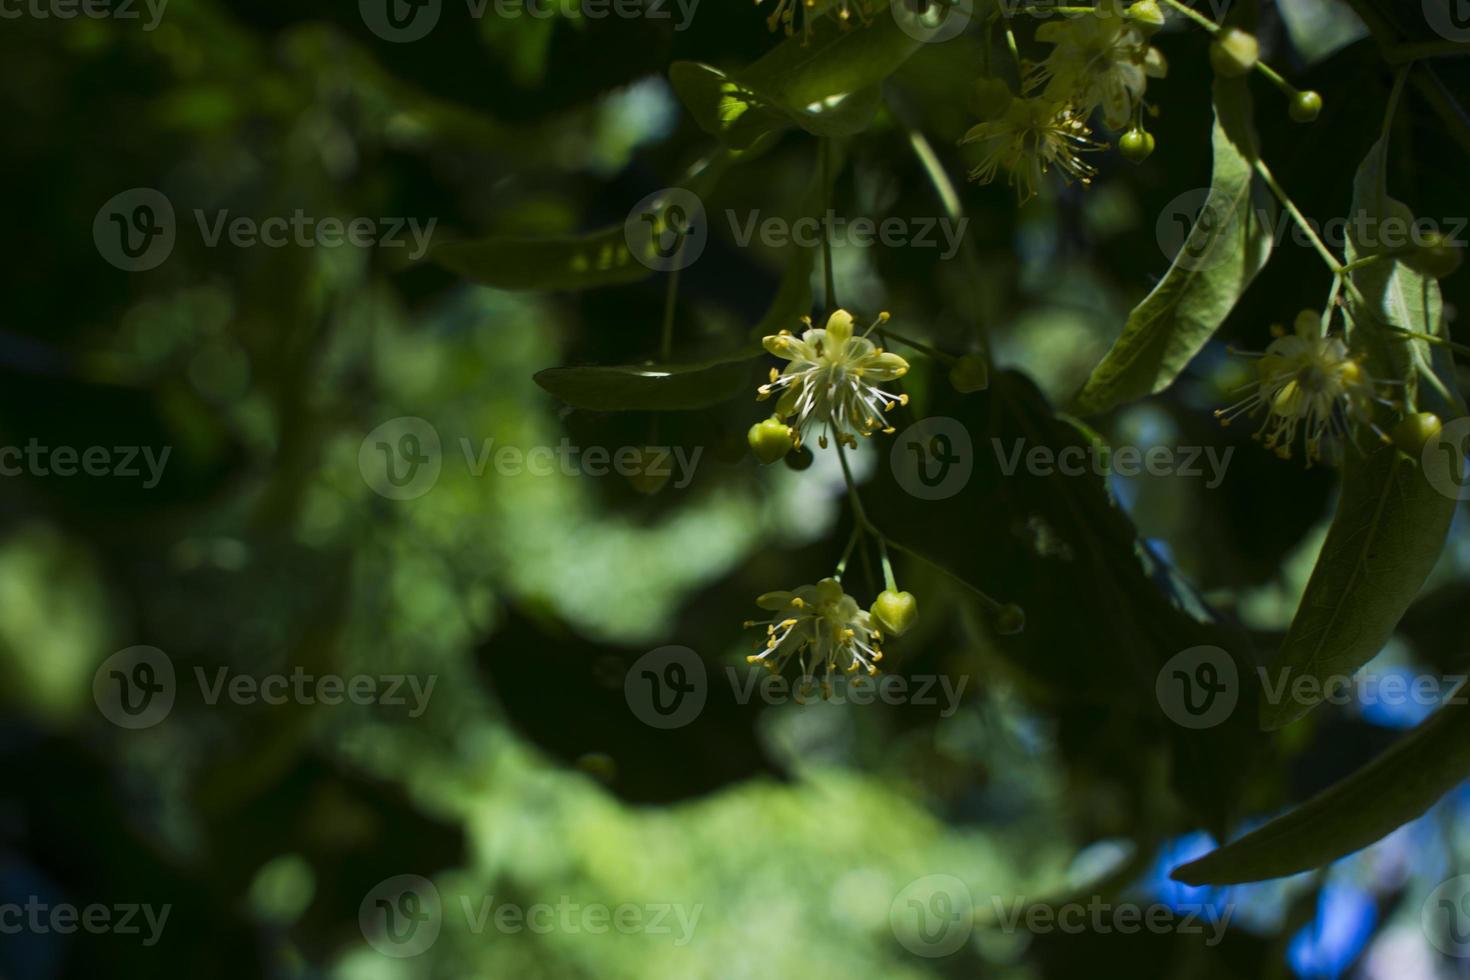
x=1299, y=218
x=864, y=525
x=1195, y=16
x=828, y=279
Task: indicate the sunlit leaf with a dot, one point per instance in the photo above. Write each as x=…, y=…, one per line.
x=652, y=387
x=1226, y=247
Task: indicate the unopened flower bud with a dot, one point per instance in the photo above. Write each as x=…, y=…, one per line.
x=895, y=611
x=770, y=440
x=1416, y=431
x=1305, y=107
x=1234, y=52
x=1136, y=145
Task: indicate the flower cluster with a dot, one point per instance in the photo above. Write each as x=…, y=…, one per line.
x=787, y=12
x=832, y=380
x=1099, y=60
x=1307, y=381
x=822, y=627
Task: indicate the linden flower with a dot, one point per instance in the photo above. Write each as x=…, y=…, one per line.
x=830, y=381
x=821, y=626
x=1306, y=381
x=785, y=13
x=1031, y=137
x=1100, y=59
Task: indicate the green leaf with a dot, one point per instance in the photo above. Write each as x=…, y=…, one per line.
x=826, y=85
x=653, y=387
x=1393, y=789
x=1384, y=540
x=724, y=108
x=1035, y=538
x=600, y=258
x=1391, y=523
x=1397, y=296
x=1227, y=246
x=587, y=261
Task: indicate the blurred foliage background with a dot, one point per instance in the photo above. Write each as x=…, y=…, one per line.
x=794, y=828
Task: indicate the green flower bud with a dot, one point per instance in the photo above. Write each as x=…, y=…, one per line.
x=1136, y=145
x=799, y=459
x=1145, y=12
x=1305, y=107
x=1010, y=620
x=895, y=611
x=970, y=373
x=1416, y=431
x=1435, y=256
x=770, y=440
x=990, y=97
x=1234, y=52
